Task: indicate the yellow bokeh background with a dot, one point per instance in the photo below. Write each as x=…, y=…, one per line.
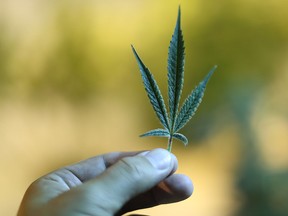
x=70, y=89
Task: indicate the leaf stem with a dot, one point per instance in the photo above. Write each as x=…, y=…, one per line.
x=169, y=147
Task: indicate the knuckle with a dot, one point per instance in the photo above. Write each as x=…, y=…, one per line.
x=132, y=169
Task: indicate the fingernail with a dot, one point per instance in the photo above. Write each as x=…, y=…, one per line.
x=159, y=158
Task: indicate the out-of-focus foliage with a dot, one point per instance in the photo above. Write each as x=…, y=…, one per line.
x=70, y=69
x=5, y=52
x=262, y=190
x=246, y=39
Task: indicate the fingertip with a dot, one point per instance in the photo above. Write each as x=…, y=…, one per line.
x=181, y=184
x=161, y=159
x=177, y=187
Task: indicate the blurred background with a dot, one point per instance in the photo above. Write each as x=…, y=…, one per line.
x=70, y=88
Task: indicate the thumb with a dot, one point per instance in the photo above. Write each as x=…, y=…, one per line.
x=130, y=177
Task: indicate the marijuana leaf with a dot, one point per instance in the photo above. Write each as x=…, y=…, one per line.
x=153, y=92
x=157, y=132
x=175, y=70
x=192, y=102
x=173, y=122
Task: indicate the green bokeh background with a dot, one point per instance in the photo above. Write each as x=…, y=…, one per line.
x=70, y=89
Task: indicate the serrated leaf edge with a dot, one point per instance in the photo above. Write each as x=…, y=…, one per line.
x=156, y=132
x=176, y=61
x=192, y=102
x=153, y=92
x=181, y=137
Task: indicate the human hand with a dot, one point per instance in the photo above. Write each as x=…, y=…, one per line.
x=110, y=184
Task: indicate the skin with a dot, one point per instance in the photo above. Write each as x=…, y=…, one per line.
x=110, y=184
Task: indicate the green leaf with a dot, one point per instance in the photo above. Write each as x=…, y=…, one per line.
x=156, y=132
x=181, y=137
x=153, y=92
x=175, y=120
x=192, y=102
x=176, y=62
